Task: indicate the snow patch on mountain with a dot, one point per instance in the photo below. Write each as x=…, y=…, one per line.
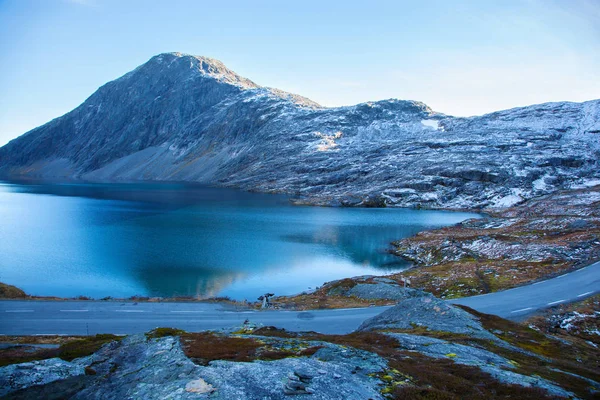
x=432, y=123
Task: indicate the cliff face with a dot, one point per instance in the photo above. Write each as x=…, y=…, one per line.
x=186, y=118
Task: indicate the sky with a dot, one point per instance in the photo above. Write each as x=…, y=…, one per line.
x=460, y=57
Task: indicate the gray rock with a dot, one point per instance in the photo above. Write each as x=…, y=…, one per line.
x=20, y=376
x=459, y=353
x=425, y=310
x=382, y=291
x=136, y=368
x=514, y=378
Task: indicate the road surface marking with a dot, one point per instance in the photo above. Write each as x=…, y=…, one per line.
x=128, y=310
x=239, y=312
x=561, y=276
x=18, y=310
x=74, y=310
x=187, y=311
x=584, y=294
x=522, y=309
x=556, y=302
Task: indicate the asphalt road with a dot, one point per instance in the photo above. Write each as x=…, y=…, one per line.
x=522, y=301
x=91, y=317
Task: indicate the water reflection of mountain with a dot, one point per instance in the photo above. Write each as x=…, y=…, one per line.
x=365, y=245
x=167, y=195
x=136, y=247
x=190, y=281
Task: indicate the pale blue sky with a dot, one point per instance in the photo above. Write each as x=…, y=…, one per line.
x=459, y=57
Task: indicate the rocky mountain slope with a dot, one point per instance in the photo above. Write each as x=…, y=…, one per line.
x=185, y=118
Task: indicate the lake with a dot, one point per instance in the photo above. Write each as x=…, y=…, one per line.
x=166, y=240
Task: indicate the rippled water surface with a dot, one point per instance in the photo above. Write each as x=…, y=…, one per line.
x=167, y=239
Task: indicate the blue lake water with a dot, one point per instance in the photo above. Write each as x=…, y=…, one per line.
x=164, y=240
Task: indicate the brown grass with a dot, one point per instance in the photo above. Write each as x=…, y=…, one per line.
x=69, y=349
x=472, y=277
x=204, y=347
x=21, y=354
x=85, y=347
x=572, y=356
x=415, y=376
x=320, y=301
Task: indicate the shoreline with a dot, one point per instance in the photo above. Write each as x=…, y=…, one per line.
x=476, y=256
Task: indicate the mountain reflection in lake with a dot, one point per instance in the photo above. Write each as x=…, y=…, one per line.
x=185, y=240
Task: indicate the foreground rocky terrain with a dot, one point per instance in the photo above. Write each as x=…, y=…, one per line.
x=187, y=118
x=422, y=348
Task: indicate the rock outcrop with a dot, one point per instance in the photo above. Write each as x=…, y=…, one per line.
x=545, y=236
x=428, y=312
x=187, y=118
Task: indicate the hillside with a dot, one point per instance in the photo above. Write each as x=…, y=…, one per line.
x=186, y=118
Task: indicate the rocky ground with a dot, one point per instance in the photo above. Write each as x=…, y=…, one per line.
x=543, y=237
x=421, y=349
x=581, y=320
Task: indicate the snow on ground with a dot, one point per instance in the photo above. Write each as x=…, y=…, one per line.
x=539, y=184
x=587, y=183
x=508, y=201
x=431, y=123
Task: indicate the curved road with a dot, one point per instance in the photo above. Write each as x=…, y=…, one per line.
x=91, y=317
x=522, y=301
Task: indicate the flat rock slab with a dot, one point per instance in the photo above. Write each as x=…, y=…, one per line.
x=137, y=368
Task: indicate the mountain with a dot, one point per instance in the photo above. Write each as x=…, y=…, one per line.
x=186, y=118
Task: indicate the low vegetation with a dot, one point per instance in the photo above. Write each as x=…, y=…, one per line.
x=162, y=332
x=469, y=277
x=320, y=300
x=541, y=238
x=579, y=320
x=205, y=347
x=85, y=346
x=11, y=292
x=67, y=348
x=412, y=375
